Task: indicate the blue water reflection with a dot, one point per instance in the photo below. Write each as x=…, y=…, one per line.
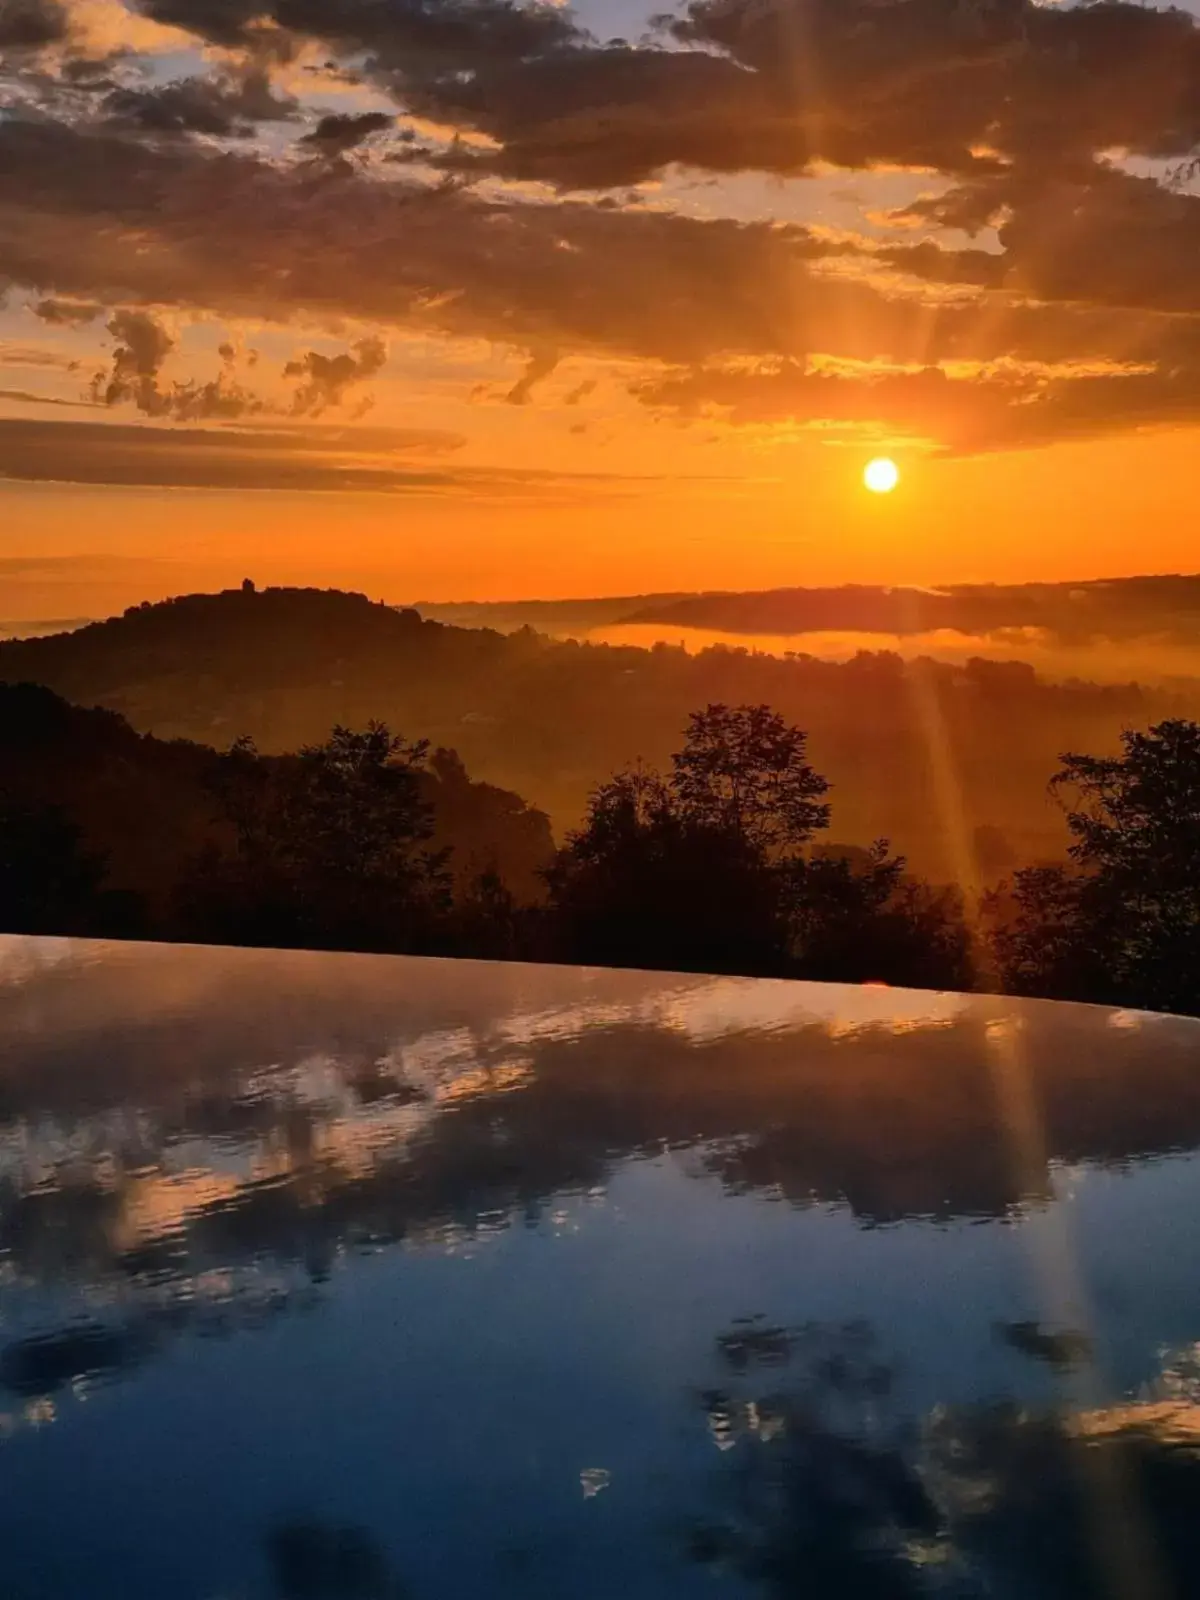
x=357, y=1277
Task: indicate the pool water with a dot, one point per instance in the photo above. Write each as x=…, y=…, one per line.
x=344, y=1276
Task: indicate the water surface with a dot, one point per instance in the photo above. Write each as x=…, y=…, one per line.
x=339, y=1276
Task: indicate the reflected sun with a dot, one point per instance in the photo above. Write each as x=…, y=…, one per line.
x=881, y=475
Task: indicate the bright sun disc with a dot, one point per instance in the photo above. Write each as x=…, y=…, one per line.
x=881, y=475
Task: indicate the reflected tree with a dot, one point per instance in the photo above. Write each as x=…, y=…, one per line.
x=312, y=1560
x=830, y=1490
x=823, y=1497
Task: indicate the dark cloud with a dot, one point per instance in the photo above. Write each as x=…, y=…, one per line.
x=540, y=365
x=421, y=37
x=199, y=458
x=340, y=436
x=325, y=381
x=951, y=85
x=932, y=82
x=26, y=398
x=989, y=411
x=338, y=244
x=149, y=457
x=33, y=355
x=134, y=376
x=1096, y=235
x=67, y=313
x=339, y=132
x=576, y=278
x=142, y=346
x=1076, y=262
x=29, y=25
x=223, y=106
x=601, y=118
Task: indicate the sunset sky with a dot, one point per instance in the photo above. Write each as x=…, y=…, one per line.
x=452, y=299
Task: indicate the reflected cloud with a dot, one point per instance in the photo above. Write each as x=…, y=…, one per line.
x=374, y=1216
x=840, y=1490
x=197, y=1137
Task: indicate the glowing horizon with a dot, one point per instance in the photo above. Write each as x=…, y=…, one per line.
x=476, y=343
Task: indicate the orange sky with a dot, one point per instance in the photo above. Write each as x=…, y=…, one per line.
x=561, y=317
x=1090, y=510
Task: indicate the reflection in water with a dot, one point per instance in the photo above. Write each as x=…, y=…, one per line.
x=834, y=1492
x=345, y=1233
x=314, y=1561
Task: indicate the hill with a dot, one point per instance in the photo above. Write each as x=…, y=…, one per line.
x=939, y=758
x=1160, y=608
x=1079, y=613
x=146, y=805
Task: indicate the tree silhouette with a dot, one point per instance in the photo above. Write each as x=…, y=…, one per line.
x=49, y=881
x=743, y=769
x=1122, y=924
x=712, y=868
x=855, y=916
x=329, y=847
x=645, y=883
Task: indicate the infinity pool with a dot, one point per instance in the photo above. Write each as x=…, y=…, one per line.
x=340, y=1276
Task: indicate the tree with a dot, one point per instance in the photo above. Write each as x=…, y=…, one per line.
x=1122, y=924
x=646, y=884
x=325, y=848
x=487, y=923
x=743, y=768
x=712, y=868
x=856, y=917
x=50, y=883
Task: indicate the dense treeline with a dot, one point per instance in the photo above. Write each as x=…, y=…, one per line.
x=717, y=863
x=161, y=829
x=909, y=747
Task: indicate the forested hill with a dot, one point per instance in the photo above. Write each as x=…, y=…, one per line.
x=147, y=807
x=924, y=753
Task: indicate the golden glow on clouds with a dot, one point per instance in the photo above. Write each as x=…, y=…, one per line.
x=629, y=304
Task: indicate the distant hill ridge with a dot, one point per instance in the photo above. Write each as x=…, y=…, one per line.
x=1077, y=612
x=549, y=719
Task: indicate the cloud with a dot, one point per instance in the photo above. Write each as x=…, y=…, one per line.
x=229, y=105
x=111, y=177
x=779, y=87
x=135, y=376
x=26, y=398
x=327, y=380
x=143, y=345
x=202, y=458
x=317, y=243
x=34, y=355
x=1004, y=409
x=67, y=313
x=540, y=365
x=408, y=37
x=341, y=131
x=31, y=25
x=578, y=278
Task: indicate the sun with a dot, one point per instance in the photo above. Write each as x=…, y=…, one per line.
x=881, y=475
